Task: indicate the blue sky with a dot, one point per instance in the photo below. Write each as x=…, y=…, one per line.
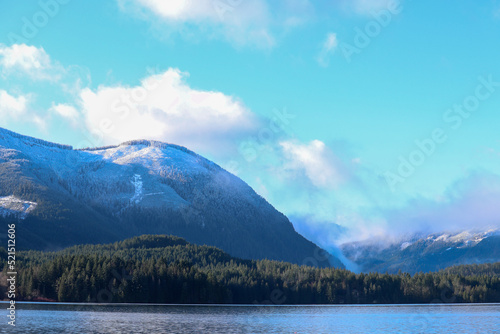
x=317, y=105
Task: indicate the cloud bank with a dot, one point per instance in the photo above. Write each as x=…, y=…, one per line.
x=470, y=203
x=164, y=107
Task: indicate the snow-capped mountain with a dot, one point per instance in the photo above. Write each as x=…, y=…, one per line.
x=426, y=252
x=64, y=196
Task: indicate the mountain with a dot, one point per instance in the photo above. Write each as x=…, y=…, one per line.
x=426, y=252
x=63, y=197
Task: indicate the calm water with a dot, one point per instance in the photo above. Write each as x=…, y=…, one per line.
x=57, y=318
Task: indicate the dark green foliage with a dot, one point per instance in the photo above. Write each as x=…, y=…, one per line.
x=3, y=257
x=486, y=269
x=164, y=269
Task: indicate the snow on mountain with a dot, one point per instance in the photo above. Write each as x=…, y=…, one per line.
x=13, y=206
x=426, y=252
x=125, y=173
x=138, y=187
x=171, y=160
x=405, y=245
x=138, y=195
x=465, y=238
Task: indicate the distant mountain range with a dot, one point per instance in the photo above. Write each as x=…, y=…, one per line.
x=63, y=197
x=425, y=252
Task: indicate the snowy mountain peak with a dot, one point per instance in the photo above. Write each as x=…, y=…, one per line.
x=160, y=157
x=468, y=238
x=144, y=143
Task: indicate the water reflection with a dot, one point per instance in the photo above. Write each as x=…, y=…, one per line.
x=87, y=319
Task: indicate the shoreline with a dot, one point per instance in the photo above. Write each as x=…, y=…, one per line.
x=246, y=305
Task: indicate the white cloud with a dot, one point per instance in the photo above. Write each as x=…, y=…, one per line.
x=29, y=60
x=15, y=108
x=241, y=22
x=11, y=106
x=329, y=46
x=24, y=57
x=66, y=111
x=315, y=160
x=331, y=42
x=40, y=122
x=165, y=108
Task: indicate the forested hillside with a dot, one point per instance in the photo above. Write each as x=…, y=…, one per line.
x=164, y=269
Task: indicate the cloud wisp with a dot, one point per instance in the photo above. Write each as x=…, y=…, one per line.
x=328, y=48
x=68, y=112
x=315, y=160
x=242, y=23
x=470, y=204
x=368, y=7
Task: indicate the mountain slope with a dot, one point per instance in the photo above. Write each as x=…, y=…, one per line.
x=425, y=253
x=65, y=197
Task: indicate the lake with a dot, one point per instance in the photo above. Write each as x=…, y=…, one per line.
x=87, y=319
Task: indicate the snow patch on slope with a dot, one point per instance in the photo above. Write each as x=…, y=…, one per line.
x=464, y=238
x=405, y=245
x=11, y=205
x=139, y=191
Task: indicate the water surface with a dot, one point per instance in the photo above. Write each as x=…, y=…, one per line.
x=89, y=319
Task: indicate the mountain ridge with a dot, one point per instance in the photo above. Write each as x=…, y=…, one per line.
x=426, y=251
x=110, y=193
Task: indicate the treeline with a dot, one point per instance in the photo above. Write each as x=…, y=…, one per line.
x=163, y=269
